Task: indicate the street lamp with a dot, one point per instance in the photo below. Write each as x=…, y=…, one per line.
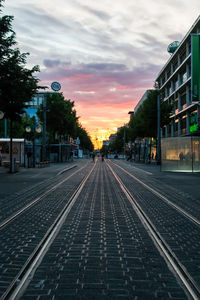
x=44, y=128
x=36, y=129
x=1, y=115
x=158, y=125
x=124, y=139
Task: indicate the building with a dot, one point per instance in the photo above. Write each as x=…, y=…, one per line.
x=36, y=101
x=131, y=113
x=179, y=85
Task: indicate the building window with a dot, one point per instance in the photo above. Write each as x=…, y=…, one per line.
x=183, y=101
x=183, y=125
x=40, y=100
x=182, y=57
x=183, y=77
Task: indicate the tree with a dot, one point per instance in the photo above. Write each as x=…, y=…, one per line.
x=17, y=83
x=61, y=117
x=118, y=144
x=62, y=120
x=144, y=122
x=85, y=141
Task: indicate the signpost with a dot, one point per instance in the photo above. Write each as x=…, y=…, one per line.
x=55, y=86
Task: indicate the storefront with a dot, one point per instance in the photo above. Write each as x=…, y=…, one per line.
x=180, y=154
x=17, y=150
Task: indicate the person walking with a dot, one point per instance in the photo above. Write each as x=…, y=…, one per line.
x=93, y=157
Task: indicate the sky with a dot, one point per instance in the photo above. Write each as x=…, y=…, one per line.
x=105, y=54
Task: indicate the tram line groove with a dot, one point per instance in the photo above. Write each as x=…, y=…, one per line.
x=178, y=208
x=186, y=279
x=22, y=210
x=17, y=284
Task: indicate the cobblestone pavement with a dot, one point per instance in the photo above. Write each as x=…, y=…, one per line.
x=180, y=233
x=103, y=251
x=19, y=189
x=20, y=237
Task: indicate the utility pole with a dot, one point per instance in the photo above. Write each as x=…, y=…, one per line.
x=158, y=130
x=44, y=128
x=34, y=148
x=5, y=128
x=124, y=143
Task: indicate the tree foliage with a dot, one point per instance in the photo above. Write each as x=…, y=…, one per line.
x=85, y=141
x=17, y=83
x=61, y=116
x=144, y=122
x=62, y=121
x=118, y=144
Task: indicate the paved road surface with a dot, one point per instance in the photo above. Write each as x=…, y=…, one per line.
x=102, y=250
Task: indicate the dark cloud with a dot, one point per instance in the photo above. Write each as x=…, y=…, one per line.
x=106, y=66
x=104, y=75
x=51, y=63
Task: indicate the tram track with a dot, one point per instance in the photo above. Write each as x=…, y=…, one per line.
x=178, y=268
x=16, y=201
x=41, y=196
x=40, y=250
x=22, y=278
x=162, y=197
x=39, y=247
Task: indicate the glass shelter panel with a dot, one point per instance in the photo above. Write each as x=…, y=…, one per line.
x=196, y=154
x=180, y=154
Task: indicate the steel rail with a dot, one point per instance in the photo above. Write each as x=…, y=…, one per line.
x=22, y=210
x=175, y=206
x=35, y=258
x=188, y=282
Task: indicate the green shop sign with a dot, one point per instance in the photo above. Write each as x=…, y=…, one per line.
x=193, y=122
x=195, y=61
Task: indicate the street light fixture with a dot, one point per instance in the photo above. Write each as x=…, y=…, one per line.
x=1, y=115
x=35, y=130
x=158, y=125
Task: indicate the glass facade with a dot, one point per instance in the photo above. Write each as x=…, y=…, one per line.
x=180, y=154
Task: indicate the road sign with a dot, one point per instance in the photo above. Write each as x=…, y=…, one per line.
x=55, y=86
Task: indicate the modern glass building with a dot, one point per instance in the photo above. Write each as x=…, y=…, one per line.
x=179, y=85
x=36, y=100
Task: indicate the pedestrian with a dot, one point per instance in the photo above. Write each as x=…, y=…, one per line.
x=93, y=156
x=0, y=158
x=102, y=157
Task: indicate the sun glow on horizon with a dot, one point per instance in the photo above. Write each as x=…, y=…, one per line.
x=100, y=135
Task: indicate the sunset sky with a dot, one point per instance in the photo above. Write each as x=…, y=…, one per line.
x=105, y=54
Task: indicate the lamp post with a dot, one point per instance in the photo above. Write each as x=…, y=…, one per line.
x=158, y=125
x=36, y=129
x=1, y=115
x=44, y=128
x=124, y=138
